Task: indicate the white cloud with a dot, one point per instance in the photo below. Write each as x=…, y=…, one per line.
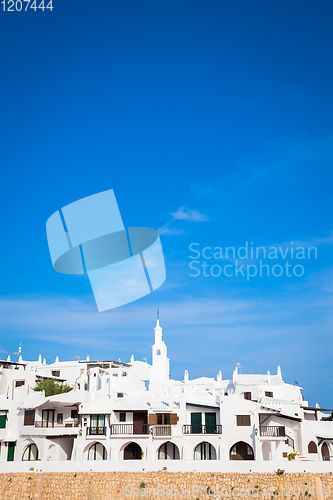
x=167, y=230
x=184, y=213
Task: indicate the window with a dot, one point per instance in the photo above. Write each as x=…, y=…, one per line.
x=124, y=374
x=55, y=373
x=60, y=418
x=243, y=420
x=74, y=413
x=158, y=352
x=19, y=383
x=268, y=394
x=247, y=395
x=312, y=447
x=30, y=453
x=285, y=454
x=163, y=419
x=122, y=416
x=3, y=421
x=29, y=417
x=97, y=424
x=120, y=394
x=115, y=374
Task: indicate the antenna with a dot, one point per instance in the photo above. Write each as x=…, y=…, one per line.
x=158, y=314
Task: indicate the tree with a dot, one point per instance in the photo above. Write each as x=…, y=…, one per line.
x=52, y=386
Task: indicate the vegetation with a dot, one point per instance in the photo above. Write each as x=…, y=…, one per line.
x=292, y=456
x=52, y=387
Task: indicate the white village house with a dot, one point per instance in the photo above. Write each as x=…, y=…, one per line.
x=124, y=411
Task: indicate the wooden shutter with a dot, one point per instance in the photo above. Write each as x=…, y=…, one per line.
x=3, y=420
x=243, y=420
x=153, y=419
x=247, y=395
x=173, y=418
x=29, y=417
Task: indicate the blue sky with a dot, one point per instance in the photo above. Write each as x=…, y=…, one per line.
x=212, y=122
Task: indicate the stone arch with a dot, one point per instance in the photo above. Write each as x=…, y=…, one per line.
x=96, y=451
x=168, y=451
x=241, y=451
x=312, y=447
x=132, y=451
x=205, y=451
x=325, y=452
x=266, y=451
x=30, y=452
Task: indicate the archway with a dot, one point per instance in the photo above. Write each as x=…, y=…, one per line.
x=205, y=451
x=241, y=451
x=132, y=452
x=168, y=451
x=325, y=452
x=312, y=447
x=30, y=452
x=266, y=451
x=97, y=452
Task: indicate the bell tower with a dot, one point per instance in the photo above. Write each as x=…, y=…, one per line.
x=160, y=362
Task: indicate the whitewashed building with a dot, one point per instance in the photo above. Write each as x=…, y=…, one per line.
x=129, y=411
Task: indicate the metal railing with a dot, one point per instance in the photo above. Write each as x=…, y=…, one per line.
x=73, y=422
x=202, y=429
x=272, y=430
x=129, y=429
x=96, y=431
x=161, y=430
x=290, y=442
x=327, y=458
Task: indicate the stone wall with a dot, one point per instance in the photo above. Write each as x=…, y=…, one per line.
x=155, y=485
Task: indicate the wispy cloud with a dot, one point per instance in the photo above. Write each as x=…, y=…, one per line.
x=167, y=229
x=184, y=213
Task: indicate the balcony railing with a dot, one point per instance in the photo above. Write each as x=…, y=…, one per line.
x=161, y=430
x=202, y=429
x=272, y=431
x=74, y=422
x=96, y=431
x=129, y=429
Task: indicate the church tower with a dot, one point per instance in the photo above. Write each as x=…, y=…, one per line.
x=160, y=362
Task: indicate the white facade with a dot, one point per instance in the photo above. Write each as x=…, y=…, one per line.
x=125, y=411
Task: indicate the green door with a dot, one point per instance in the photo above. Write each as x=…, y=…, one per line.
x=196, y=423
x=11, y=450
x=210, y=423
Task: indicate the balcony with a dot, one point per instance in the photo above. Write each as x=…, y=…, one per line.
x=272, y=431
x=129, y=429
x=96, y=431
x=74, y=422
x=161, y=430
x=202, y=429
x=50, y=428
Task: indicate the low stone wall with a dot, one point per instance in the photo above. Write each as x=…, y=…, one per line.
x=164, y=484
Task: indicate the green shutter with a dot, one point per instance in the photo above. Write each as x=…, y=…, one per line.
x=11, y=450
x=3, y=420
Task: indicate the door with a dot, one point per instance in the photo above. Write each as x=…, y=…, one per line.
x=132, y=452
x=196, y=423
x=140, y=422
x=11, y=451
x=210, y=423
x=48, y=418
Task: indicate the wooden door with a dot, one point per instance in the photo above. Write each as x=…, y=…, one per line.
x=140, y=422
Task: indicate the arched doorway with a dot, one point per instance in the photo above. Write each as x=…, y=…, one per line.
x=312, y=447
x=241, y=451
x=132, y=452
x=204, y=451
x=168, y=451
x=325, y=453
x=266, y=451
x=30, y=452
x=97, y=452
